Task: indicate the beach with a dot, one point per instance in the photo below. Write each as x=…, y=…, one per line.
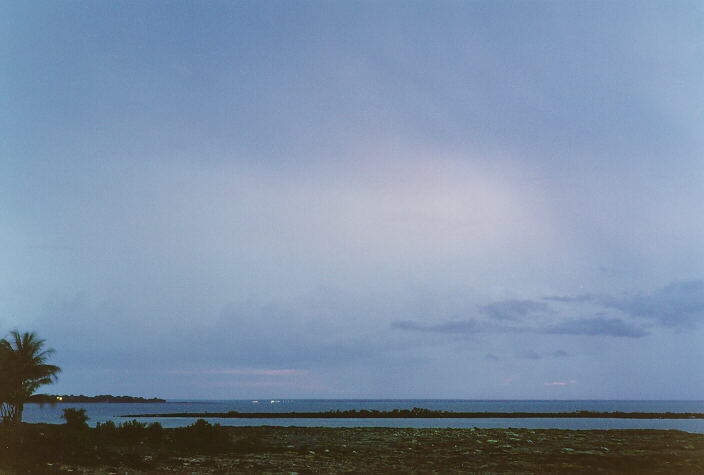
x=374, y=450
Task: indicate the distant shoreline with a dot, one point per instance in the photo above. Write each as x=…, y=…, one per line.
x=418, y=413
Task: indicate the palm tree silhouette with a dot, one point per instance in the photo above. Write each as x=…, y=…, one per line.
x=23, y=370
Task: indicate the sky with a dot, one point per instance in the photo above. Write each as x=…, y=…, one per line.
x=480, y=200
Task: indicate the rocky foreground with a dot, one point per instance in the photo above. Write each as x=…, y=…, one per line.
x=375, y=450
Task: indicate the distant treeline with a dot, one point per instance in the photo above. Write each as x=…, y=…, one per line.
x=101, y=398
x=417, y=412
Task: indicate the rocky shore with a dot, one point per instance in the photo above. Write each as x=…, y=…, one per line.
x=375, y=450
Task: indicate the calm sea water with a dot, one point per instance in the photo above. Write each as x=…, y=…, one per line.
x=112, y=412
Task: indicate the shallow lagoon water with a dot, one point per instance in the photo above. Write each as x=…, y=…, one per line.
x=102, y=412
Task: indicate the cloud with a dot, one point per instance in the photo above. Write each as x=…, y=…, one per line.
x=560, y=383
x=534, y=355
x=504, y=310
x=529, y=355
x=597, y=326
x=459, y=326
x=248, y=338
x=568, y=298
x=245, y=372
x=270, y=384
x=676, y=304
x=514, y=309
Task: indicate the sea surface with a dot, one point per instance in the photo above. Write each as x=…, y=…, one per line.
x=102, y=412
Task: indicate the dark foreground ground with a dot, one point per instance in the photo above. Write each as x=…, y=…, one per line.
x=377, y=450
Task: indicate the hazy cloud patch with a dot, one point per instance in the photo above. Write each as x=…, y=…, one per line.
x=676, y=304
x=264, y=339
x=560, y=383
x=597, y=326
x=569, y=298
x=459, y=326
x=529, y=355
x=244, y=371
x=272, y=334
x=535, y=355
x=513, y=310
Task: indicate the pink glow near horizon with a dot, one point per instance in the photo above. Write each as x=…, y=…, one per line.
x=561, y=383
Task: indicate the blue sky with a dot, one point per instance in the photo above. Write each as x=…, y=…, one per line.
x=356, y=199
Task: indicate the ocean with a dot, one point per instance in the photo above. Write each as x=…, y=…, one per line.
x=102, y=412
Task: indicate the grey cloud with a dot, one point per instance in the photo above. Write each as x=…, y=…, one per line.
x=460, y=326
x=569, y=298
x=534, y=355
x=491, y=356
x=299, y=333
x=676, y=304
x=506, y=310
x=597, y=326
x=514, y=309
x=247, y=334
x=529, y=355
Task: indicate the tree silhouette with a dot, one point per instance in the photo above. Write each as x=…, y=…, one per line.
x=75, y=418
x=23, y=370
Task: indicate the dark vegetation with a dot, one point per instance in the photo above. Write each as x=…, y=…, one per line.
x=31, y=448
x=134, y=447
x=23, y=369
x=75, y=418
x=61, y=398
x=418, y=413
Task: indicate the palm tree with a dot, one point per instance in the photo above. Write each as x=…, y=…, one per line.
x=23, y=370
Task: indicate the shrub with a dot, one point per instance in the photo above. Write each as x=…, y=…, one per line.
x=155, y=432
x=202, y=436
x=132, y=431
x=75, y=418
x=105, y=427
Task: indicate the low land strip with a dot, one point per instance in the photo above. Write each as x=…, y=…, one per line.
x=419, y=413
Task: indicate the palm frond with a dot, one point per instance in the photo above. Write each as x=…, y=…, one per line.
x=23, y=369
